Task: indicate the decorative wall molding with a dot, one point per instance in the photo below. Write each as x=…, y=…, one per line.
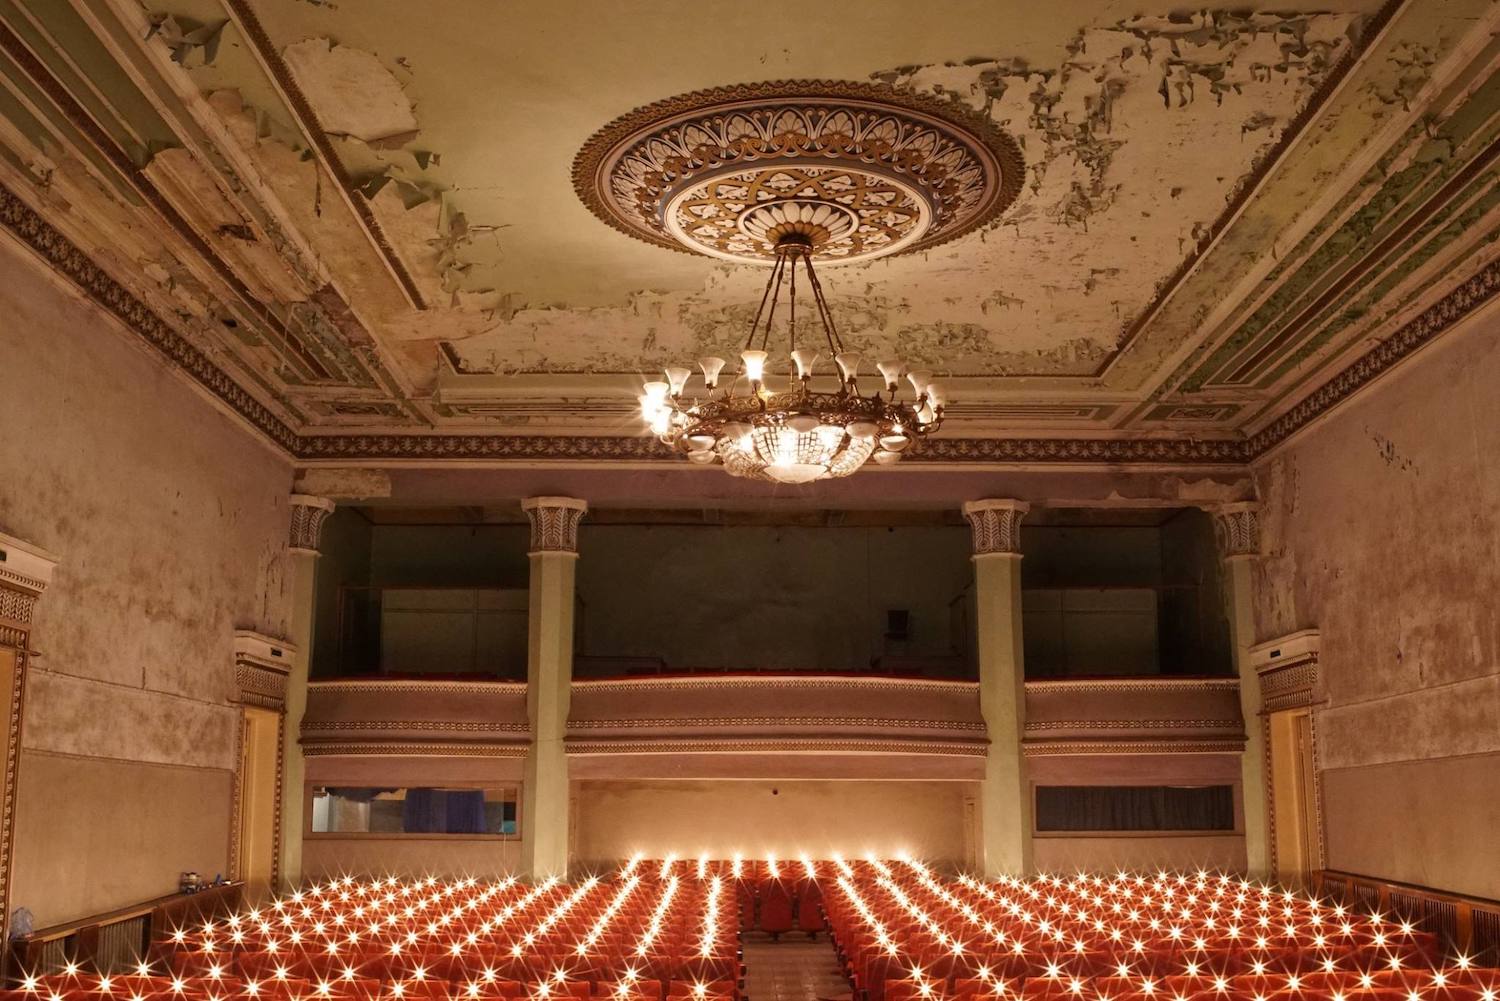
x=1162, y=684
x=738, y=745
x=996, y=526
x=261, y=666
x=777, y=681
x=1040, y=748
x=554, y=523
x=308, y=515
x=415, y=749
x=345, y=686
x=1237, y=528
x=1042, y=726
x=966, y=726
x=445, y=725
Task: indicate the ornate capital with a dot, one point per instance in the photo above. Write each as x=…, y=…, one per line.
x=1237, y=527
x=25, y=572
x=997, y=526
x=308, y=513
x=261, y=666
x=1288, y=671
x=554, y=523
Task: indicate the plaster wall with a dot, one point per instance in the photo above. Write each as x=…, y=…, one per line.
x=366, y=856
x=171, y=524
x=1381, y=528
x=618, y=818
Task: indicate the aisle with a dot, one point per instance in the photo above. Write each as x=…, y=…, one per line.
x=795, y=969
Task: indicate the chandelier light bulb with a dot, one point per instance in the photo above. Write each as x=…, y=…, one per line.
x=755, y=365
x=657, y=391
x=805, y=360
x=711, y=366
x=677, y=378
x=891, y=371
x=848, y=366
x=919, y=382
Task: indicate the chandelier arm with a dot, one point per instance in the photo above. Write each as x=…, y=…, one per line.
x=825, y=315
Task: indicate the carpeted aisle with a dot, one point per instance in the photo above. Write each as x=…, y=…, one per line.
x=794, y=969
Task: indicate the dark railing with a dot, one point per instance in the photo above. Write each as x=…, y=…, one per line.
x=119, y=939
x=1468, y=926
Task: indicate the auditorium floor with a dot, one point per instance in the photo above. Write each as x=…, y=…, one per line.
x=794, y=969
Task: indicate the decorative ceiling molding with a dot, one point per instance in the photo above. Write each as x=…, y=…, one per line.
x=867, y=170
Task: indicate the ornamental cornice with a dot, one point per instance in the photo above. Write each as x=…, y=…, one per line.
x=440, y=725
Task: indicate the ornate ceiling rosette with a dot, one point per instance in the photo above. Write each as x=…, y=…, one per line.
x=859, y=170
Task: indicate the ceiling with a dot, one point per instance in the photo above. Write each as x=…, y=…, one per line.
x=354, y=222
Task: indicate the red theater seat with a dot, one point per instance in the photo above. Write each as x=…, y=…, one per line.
x=775, y=907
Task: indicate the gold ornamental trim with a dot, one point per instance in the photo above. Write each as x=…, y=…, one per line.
x=775, y=681
x=415, y=749
x=776, y=746
x=829, y=721
x=1044, y=748
x=1142, y=685
x=350, y=686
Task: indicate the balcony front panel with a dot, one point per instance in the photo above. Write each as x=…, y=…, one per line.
x=826, y=726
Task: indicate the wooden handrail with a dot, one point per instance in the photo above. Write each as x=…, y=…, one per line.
x=81, y=937
x=1478, y=940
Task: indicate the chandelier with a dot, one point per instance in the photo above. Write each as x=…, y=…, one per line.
x=804, y=432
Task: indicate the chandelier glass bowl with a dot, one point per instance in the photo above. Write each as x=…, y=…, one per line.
x=807, y=431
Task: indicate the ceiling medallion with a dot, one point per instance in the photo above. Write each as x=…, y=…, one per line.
x=860, y=170
x=800, y=434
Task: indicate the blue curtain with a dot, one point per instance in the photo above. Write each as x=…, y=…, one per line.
x=443, y=811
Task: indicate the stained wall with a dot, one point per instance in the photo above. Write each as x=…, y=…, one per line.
x=1381, y=528
x=617, y=818
x=171, y=523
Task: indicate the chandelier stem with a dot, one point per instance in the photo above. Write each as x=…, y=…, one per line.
x=792, y=324
x=760, y=311
x=825, y=315
x=779, y=276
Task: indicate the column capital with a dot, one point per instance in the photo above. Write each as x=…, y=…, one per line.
x=261, y=666
x=554, y=523
x=25, y=572
x=1237, y=527
x=996, y=523
x=308, y=513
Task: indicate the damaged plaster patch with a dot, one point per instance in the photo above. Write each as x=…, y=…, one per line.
x=1134, y=144
x=353, y=93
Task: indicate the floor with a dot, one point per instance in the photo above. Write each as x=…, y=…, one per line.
x=794, y=969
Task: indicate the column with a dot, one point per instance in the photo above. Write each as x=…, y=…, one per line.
x=1005, y=793
x=549, y=675
x=1237, y=527
x=308, y=514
